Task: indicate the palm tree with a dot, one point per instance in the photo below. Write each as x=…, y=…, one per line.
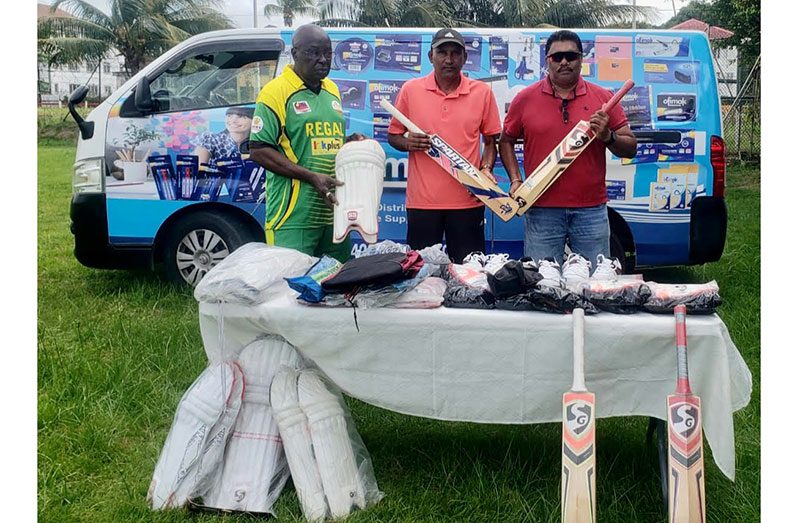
x=289, y=8
x=139, y=30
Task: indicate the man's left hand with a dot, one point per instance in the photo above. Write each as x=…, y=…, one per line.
x=599, y=122
x=487, y=172
x=356, y=137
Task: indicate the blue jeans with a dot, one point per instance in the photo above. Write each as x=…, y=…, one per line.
x=586, y=229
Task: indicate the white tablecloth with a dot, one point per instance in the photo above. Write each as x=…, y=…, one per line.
x=499, y=366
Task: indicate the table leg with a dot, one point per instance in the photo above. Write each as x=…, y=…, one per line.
x=660, y=427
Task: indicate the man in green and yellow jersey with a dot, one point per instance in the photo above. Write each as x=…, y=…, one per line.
x=297, y=129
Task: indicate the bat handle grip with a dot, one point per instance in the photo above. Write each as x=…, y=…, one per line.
x=388, y=106
x=682, y=379
x=612, y=102
x=579, y=351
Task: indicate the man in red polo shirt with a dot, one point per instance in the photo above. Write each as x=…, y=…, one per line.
x=459, y=110
x=575, y=206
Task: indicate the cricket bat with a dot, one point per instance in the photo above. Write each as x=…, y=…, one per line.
x=486, y=190
x=569, y=149
x=578, y=487
x=687, y=502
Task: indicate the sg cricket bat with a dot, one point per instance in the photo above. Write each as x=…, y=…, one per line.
x=578, y=487
x=457, y=165
x=561, y=157
x=687, y=502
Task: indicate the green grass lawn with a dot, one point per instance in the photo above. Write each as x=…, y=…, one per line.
x=117, y=349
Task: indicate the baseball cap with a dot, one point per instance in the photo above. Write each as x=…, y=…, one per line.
x=241, y=111
x=447, y=35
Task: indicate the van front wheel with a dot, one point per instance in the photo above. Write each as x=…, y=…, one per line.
x=197, y=243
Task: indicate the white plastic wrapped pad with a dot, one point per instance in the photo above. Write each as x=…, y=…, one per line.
x=331, y=446
x=426, y=295
x=252, y=274
x=201, y=417
x=254, y=471
x=361, y=166
x=295, y=434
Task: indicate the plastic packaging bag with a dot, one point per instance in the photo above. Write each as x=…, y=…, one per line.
x=619, y=296
x=252, y=274
x=426, y=295
x=309, y=284
x=345, y=467
x=553, y=299
x=254, y=470
x=701, y=298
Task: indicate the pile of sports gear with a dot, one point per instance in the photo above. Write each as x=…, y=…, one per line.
x=248, y=423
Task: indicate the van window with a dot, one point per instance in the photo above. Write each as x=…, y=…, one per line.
x=209, y=80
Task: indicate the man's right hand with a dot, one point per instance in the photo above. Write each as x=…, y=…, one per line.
x=326, y=185
x=417, y=142
x=514, y=185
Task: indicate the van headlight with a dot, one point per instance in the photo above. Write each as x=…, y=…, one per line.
x=87, y=175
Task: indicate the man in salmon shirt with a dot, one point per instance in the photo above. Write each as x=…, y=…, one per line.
x=459, y=109
x=575, y=206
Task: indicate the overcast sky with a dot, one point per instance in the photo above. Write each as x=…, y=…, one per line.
x=240, y=11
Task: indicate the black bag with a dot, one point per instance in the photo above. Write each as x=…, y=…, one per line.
x=377, y=269
x=513, y=278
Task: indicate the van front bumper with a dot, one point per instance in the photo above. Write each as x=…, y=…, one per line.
x=708, y=223
x=92, y=246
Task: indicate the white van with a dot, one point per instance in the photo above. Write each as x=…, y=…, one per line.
x=140, y=199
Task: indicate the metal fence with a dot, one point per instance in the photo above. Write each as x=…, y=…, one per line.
x=742, y=120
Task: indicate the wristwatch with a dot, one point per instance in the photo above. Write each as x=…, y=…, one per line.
x=612, y=139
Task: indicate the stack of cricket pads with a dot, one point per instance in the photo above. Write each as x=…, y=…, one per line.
x=248, y=423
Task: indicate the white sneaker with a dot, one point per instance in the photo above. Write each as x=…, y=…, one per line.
x=550, y=270
x=576, y=269
x=494, y=262
x=606, y=269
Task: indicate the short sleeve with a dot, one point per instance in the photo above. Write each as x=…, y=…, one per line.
x=617, y=117
x=491, y=124
x=396, y=126
x=513, y=121
x=266, y=122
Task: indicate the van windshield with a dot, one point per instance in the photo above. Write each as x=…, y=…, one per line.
x=217, y=79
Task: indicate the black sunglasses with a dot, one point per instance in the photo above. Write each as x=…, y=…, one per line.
x=568, y=55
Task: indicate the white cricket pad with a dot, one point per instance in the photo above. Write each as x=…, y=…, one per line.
x=331, y=445
x=254, y=470
x=204, y=415
x=361, y=166
x=295, y=434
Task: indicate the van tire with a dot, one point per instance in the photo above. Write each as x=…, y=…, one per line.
x=199, y=241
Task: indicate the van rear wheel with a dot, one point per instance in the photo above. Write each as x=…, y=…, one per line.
x=197, y=243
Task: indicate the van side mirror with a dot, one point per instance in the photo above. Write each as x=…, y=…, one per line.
x=77, y=96
x=143, y=97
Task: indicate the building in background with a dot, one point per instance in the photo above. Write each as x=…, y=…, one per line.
x=57, y=82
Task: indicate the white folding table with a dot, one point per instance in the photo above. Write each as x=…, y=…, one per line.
x=494, y=366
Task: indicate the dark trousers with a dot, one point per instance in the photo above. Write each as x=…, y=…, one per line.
x=464, y=230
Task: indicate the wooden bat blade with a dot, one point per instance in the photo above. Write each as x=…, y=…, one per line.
x=550, y=169
x=687, y=501
x=568, y=150
x=578, y=486
x=685, y=460
x=484, y=189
